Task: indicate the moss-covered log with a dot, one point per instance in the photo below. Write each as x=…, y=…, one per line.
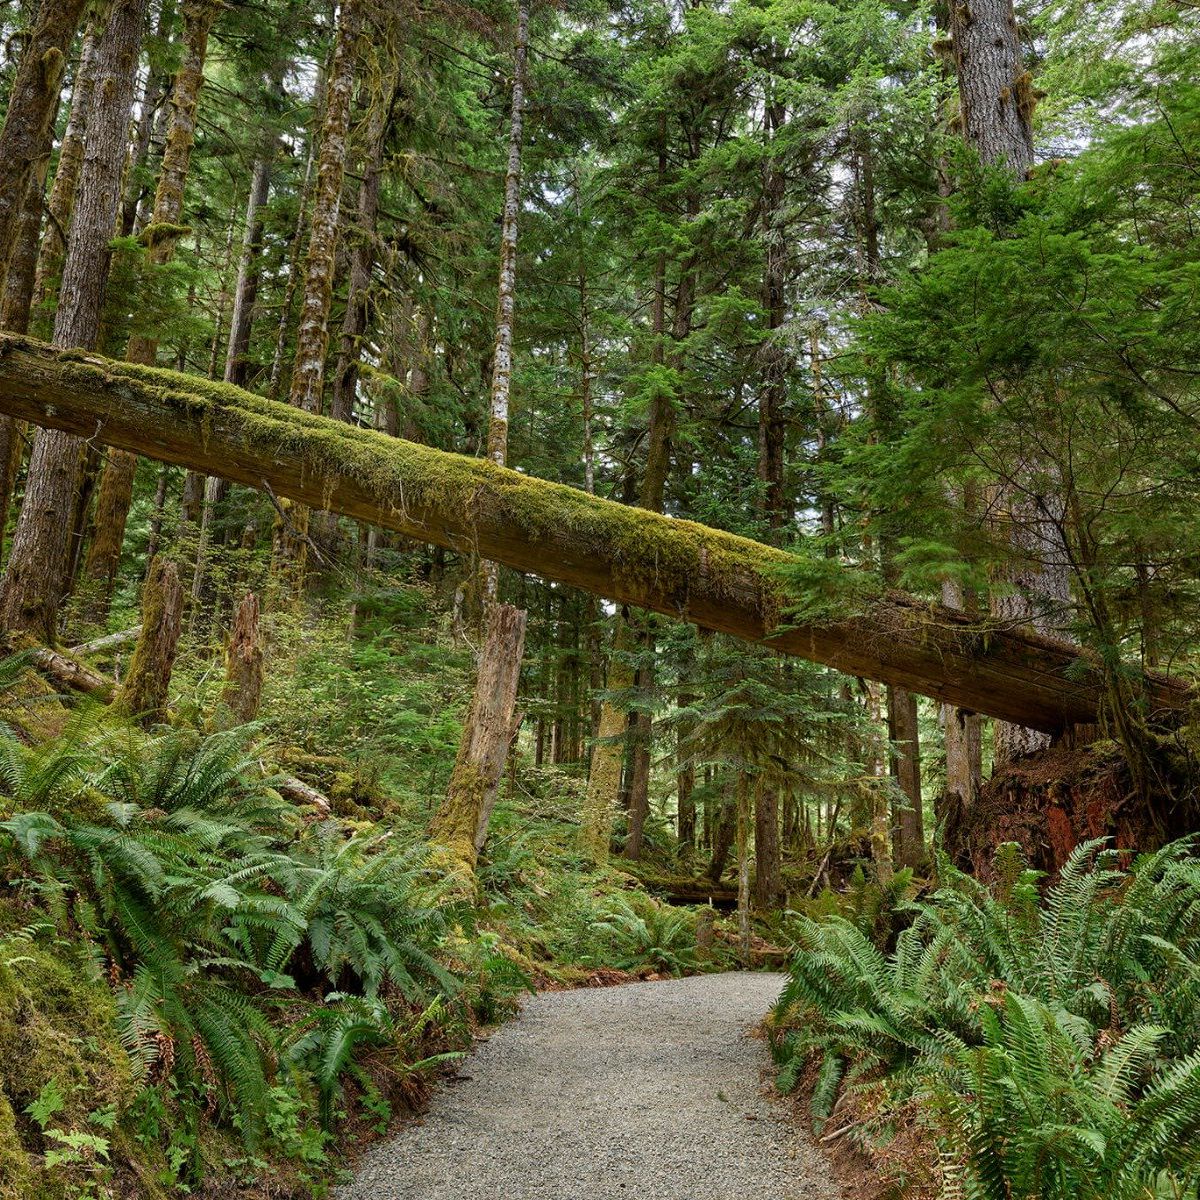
x=688, y=571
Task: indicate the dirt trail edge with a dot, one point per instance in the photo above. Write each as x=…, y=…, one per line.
x=649, y=1090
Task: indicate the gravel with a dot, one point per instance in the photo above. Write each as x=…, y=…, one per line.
x=648, y=1090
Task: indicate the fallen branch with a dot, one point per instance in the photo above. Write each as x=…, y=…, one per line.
x=110, y=641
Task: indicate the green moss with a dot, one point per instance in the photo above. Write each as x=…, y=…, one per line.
x=15, y=1168
x=654, y=558
x=57, y=1022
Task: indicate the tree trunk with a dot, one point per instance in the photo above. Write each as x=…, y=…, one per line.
x=909, y=825
x=312, y=335
x=245, y=291
x=460, y=824
x=362, y=256
x=35, y=577
x=25, y=139
x=684, y=570
x=66, y=176
x=996, y=103
x=244, y=663
x=724, y=835
x=17, y=300
x=766, y=849
x=745, y=822
x=608, y=753
x=772, y=424
x=115, y=492
x=144, y=692
x=995, y=91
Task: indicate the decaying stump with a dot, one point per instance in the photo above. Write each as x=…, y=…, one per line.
x=242, y=692
x=144, y=692
x=460, y=824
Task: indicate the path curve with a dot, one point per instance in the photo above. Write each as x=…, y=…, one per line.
x=649, y=1090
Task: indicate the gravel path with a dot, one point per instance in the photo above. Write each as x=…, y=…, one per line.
x=650, y=1090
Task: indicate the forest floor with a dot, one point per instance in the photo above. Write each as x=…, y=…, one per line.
x=651, y=1090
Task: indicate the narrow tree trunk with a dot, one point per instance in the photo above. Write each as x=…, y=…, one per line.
x=608, y=753
x=724, y=835
x=766, y=848
x=152, y=120
x=772, y=424
x=909, y=826
x=115, y=492
x=244, y=663
x=312, y=334
x=685, y=784
x=34, y=580
x=745, y=823
x=144, y=692
x=245, y=291
x=460, y=824
x=362, y=256
x=641, y=729
x=26, y=136
x=66, y=175
x=17, y=300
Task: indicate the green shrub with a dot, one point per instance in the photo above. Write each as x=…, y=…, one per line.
x=1051, y=1045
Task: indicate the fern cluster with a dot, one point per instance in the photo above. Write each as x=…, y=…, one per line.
x=245, y=945
x=1051, y=1043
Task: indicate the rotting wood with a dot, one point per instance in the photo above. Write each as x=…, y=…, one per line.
x=688, y=571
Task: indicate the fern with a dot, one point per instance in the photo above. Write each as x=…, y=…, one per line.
x=1051, y=1044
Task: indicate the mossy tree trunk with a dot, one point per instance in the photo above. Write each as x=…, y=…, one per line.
x=461, y=822
x=144, y=693
x=37, y=571
x=115, y=492
x=608, y=753
x=291, y=540
x=490, y=725
x=242, y=692
x=66, y=175
x=684, y=570
x=25, y=138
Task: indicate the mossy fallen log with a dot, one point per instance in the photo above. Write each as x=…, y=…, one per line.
x=685, y=570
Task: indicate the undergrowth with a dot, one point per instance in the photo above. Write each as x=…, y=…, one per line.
x=1047, y=1045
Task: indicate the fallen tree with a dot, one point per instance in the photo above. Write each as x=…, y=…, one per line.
x=688, y=571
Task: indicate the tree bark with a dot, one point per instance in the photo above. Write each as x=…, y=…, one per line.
x=766, y=848
x=35, y=577
x=289, y=557
x=115, y=492
x=362, y=256
x=66, y=175
x=909, y=824
x=144, y=692
x=242, y=692
x=772, y=425
x=460, y=824
x=608, y=753
x=25, y=139
x=679, y=568
x=995, y=91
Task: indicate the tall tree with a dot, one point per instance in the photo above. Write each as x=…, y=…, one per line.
x=34, y=579
x=161, y=237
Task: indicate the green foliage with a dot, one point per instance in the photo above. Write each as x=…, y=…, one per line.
x=642, y=932
x=1050, y=1044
